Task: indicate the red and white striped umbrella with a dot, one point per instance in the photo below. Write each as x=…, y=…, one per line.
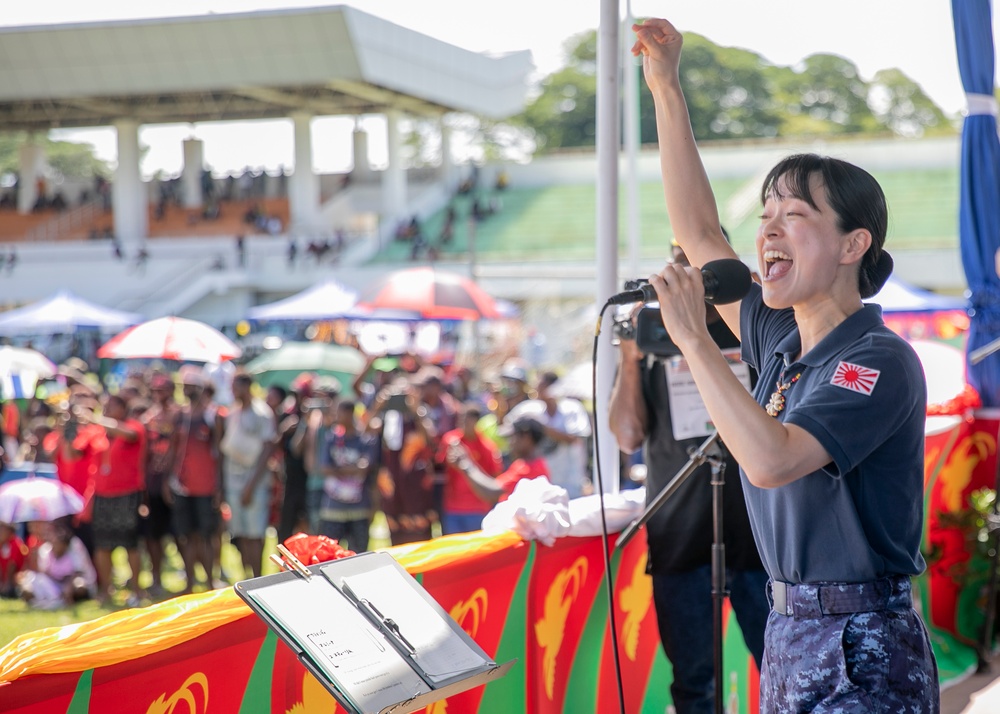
x=433, y=294
x=171, y=338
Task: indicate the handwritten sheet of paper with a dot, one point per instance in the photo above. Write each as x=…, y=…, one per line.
x=342, y=643
x=439, y=651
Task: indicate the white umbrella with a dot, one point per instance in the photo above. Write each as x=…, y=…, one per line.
x=37, y=499
x=20, y=370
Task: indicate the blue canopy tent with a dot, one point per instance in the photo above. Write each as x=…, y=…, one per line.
x=979, y=200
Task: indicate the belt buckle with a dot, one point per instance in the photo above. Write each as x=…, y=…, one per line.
x=779, y=595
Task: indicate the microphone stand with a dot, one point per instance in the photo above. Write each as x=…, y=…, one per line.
x=710, y=451
x=696, y=459
x=719, y=591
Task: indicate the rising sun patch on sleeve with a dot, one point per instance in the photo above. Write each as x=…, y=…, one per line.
x=855, y=378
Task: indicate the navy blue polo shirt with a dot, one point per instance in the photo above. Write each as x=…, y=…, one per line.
x=862, y=395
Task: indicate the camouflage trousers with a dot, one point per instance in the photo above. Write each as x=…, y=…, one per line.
x=847, y=649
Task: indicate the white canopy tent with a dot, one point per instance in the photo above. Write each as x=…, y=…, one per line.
x=64, y=313
x=899, y=296
x=323, y=301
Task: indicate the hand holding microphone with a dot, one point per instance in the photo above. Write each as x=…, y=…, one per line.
x=683, y=292
x=725, y=281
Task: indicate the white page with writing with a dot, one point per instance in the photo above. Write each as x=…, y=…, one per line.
x=341, y=642
x=439, y=650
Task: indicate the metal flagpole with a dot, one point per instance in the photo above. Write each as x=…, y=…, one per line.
x=608, y=103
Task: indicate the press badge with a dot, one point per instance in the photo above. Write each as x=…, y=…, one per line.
x=688, y=414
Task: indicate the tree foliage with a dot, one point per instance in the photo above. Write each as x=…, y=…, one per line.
x=728, y=95
x=900, y=104
x=734, y=93
x=565, y=110
x=66, y=158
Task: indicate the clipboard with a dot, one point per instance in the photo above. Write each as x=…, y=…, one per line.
x=371, y=635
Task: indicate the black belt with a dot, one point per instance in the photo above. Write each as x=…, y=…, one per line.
x=806, y=600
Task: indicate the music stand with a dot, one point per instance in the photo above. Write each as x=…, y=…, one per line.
x=371, y=635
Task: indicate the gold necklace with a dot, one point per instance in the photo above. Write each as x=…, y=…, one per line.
x=777, y=402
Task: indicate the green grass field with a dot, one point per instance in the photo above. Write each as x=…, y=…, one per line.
x=17, y=618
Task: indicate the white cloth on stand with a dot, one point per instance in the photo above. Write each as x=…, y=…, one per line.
x=538, y=510
x=620, y=509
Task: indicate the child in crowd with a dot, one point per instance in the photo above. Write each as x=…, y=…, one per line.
x=13, y=552
x=347, y=461
x=63, y=572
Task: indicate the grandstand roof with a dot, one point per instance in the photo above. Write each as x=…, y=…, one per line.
x=327, y=61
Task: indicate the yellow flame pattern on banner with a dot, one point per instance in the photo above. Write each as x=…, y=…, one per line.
x=635, y=599
x=185, y=695
x=438, y=707
x=470, y=613
x=550, y=629
x=956, y=475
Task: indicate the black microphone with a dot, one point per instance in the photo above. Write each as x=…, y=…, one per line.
x=726, y=280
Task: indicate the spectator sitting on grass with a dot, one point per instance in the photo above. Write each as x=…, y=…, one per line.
x=63, y=573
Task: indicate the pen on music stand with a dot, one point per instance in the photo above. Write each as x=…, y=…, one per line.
x=390, y=625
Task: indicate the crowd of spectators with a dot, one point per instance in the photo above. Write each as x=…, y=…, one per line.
x=50, y=199
x=160, y=458
x=483, y=205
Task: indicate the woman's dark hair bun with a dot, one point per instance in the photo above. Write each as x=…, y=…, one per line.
x=873, y=277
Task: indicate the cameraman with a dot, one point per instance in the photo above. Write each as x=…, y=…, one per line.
x=407, y=479
x=679, y=534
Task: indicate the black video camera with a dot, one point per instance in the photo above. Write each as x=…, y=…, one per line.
x=651, y=336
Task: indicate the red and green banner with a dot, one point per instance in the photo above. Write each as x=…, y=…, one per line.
x=545, y=606
x=960, y=458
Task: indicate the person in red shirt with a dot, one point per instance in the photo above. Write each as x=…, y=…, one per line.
x=463, y=509
x=118, y=489
x=524, y=438
x=76, y=445
x=195, y=488
x=159, y=421
x=13, y=552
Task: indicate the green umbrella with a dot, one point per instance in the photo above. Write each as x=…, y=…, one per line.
x=281, y=366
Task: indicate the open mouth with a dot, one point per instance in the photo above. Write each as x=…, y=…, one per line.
x=776, y=264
